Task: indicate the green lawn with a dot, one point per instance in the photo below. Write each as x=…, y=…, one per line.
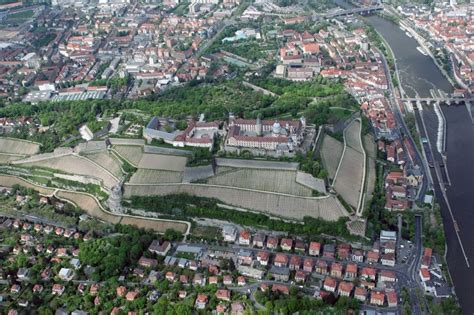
x=21, y=15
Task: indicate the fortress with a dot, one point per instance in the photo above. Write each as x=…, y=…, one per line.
x=275, y=135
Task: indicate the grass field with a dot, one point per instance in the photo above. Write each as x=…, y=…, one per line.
x=147, y=176
x=17, y=146
x=267, y=180
x=107, y=161
x=331, y=152
x=21, y=15
x=76, y=165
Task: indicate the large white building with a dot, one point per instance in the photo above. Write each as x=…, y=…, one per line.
x=283, y=135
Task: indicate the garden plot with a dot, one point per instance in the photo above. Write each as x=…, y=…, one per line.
x=107, y=161
x=131, y=153
x=76, y=165
x=147, y=176
x=266, y=180
x=17, y=146
x=331, y=153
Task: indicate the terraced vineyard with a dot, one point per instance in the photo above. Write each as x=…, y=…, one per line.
x=75, y=165
x=131, y=153
x=147, y=176
x=292, y=207
x=267, y=180
x=17, y=146
x=352, y=136
x=5, y=158
x=163, y=162
x=349, y=179
x=135, y=156
x=331, y=153
x=107, y=161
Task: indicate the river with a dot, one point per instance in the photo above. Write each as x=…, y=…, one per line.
x=419, y=74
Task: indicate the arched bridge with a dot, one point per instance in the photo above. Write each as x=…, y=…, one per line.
x=361, y=11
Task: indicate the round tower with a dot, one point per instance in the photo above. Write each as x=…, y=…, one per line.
x=259, y=127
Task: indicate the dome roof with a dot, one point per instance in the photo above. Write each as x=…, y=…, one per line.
x=276, y=127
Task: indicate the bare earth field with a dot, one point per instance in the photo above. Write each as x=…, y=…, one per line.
x=292, y=207
x=267, y=180
x=331, y=152
x=16, y=146
x=75, y=165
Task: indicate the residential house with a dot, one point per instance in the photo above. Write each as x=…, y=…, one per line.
x=258, y=240
x=322, y=267
x=58, y=289
x=360, y=294
x=368, y=273
x=358, y=256
x=263, y=258
x=170, y=276
x=201, y=301
x=377, y=298
x=227, y=280
x=308, y=264
x=213, y=280
x=159, y=248
x=329, y=250
x=388, y=260
x=336, y=270
x=392, y=298
x=345, y=288
x=373, y=257
x=314, y=248
x=281, y=260
x=229, y=233
x=351, y=271
x=241, y=281
x=131, y=296
x=295, y=262
x=286, y=244
x=223, y=295
x=330, y=284
x=244, y=237
x=300, y=276
x=272, y=242
x=387, y=276
x=280, y=288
